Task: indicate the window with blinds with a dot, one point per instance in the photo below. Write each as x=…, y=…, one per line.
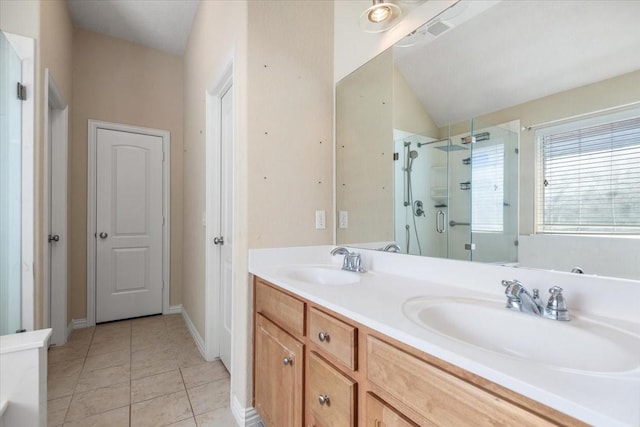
x=487, y=191
x=589, y=177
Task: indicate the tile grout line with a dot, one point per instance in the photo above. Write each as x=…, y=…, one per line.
x=84, y=361
x=130, y=375
x=168, y=343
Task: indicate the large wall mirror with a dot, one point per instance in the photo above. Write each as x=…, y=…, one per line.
x=450, y=143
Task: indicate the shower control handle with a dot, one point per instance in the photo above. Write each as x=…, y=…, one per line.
x=441, y=222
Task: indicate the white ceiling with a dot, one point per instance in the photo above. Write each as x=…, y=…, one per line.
x=160, y=24
x=480, y=66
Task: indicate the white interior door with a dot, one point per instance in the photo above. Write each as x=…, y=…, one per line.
x=226, y=225
x=56, y=232
x=128, y=225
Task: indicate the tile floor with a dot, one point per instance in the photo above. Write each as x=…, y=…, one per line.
x=140, y=372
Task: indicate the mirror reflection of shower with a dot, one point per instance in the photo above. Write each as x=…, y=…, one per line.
x=452, y=198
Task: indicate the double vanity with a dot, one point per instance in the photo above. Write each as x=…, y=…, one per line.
x=415, y=341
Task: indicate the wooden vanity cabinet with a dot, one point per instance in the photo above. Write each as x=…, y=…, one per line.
x=316, y=368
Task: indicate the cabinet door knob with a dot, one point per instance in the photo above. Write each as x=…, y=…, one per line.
x=323, y=336
x=323, y=399
x=288, y=360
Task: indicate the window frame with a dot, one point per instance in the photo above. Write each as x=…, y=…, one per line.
x=568, y=126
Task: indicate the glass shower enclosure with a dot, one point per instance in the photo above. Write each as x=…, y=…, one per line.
x=10, y=189
x=457, y=196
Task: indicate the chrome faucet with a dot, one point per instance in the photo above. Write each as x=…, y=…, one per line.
x=391, y=247
x=352, y=260
x=519, y=299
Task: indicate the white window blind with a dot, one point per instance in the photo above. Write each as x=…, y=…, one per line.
x=590, y=179
x=487, y=189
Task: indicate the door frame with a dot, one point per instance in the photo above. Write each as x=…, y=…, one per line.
x=218, y=86
x=56, y=128
x=93, y=126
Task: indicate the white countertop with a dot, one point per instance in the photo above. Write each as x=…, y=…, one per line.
x=599, y=399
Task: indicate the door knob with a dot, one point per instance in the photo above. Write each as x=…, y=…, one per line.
x=323, y=336
x=288, y=360
x=54, y=238
x=218, y=240
x=103, y=235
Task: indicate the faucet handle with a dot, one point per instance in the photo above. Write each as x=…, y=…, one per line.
x=556, y=300
x=557, y=305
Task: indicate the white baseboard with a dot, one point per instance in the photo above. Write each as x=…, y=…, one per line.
x=79, y=323
x=175, y=309
x=245, y=417
x=194, y=333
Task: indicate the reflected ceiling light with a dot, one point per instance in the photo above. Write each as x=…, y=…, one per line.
x=381, y=16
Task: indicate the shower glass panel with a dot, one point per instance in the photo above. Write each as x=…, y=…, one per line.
x=458, y=199
x=10, y=189
x=494, y=192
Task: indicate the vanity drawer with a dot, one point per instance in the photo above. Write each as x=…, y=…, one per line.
x=440, y=397
x=332, y=396
x=280, y=308
x=334, y=336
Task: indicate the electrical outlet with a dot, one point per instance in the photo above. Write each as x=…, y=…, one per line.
x=321, y=220
x=343, y=219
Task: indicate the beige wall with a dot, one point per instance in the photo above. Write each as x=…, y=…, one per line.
x=290, y=114
x=289, y=141
x=122, y=82
x=283, y=96
x=213, y=44
x=56, y=54
x=409, y=113
x=20, y=17
x=364, y=153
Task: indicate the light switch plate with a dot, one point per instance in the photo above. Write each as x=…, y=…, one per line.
x=321, y=220
x=343, y=219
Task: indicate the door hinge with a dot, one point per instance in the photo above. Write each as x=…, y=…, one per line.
x=21, y=91
x=162, y=220
x=163, y=156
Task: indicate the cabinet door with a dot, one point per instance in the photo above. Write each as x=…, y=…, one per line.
x=381, y=415
x=279, y=370
x=332, y=395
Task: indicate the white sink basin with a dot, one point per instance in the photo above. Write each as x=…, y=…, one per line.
x=578, y=345
x=322, y=275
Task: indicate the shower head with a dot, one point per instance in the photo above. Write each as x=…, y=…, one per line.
x=451, y=148
x=412, y=155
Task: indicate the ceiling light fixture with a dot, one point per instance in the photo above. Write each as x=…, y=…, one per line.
x=381, y=16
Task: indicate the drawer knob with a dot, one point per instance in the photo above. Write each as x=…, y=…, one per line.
x=323, y=399
x=323, y=336
x=288, y=360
